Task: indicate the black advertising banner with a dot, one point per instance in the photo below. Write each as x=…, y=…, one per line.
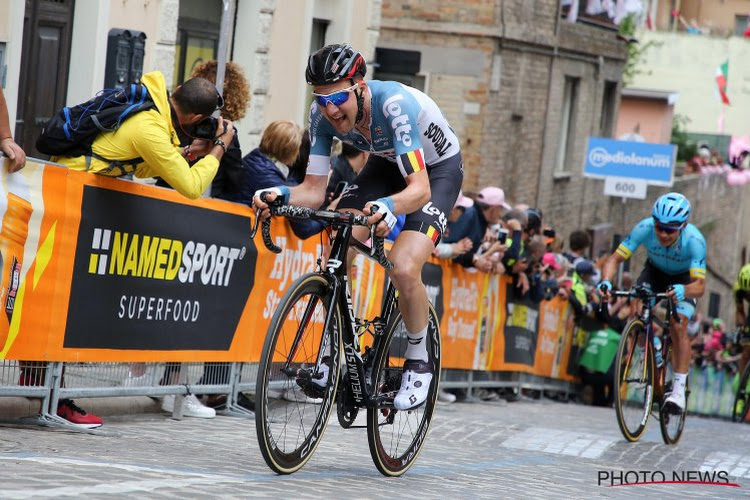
x=521, y=326
x=157, y=275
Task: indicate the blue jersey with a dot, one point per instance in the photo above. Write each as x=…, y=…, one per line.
x=688, y=253
x=406, y=127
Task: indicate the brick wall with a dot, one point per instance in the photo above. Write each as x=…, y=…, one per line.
x=480, y=12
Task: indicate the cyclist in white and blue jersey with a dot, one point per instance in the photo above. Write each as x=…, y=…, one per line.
x=676, y=264
x=414, y=168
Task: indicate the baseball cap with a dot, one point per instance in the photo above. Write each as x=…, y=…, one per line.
x=493, y=196
x=463, y=201
x=550, y=260
x=585, y=267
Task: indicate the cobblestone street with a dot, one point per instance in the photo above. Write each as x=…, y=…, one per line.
x=525, y=449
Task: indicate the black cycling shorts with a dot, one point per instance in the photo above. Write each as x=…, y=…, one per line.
x=658, y=281
x=380, y=178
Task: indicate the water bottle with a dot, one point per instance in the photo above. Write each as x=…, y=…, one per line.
x=657, y=351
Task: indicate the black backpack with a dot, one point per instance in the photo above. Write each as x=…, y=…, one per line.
x=72, y=131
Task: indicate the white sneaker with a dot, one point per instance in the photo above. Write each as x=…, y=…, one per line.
x=191, y=407
x=675, y=402
x=446, y=397
x=415, y=385
x=296, y=395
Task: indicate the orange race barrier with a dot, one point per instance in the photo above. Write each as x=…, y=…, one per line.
x=101, y=269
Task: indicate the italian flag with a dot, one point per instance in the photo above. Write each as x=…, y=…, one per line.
x=722, y=74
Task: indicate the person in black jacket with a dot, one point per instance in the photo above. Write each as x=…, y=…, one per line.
x=268, y=165
x=345, y=167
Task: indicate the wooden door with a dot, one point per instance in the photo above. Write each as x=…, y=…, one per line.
x=45, y=58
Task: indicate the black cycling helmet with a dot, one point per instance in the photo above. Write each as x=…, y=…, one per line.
x=333, y=63
x=534, y=216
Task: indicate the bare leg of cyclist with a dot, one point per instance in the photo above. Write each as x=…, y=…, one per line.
x=409, y=254
x=681, y=361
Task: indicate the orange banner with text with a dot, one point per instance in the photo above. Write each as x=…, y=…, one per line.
x=102, y=269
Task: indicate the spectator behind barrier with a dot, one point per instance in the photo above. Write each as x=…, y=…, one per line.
x=151, y=136
x=345, y=167
x=32, y=372
x=579, y=241
x=226, y=185
x=451, y=250
x=579, y=296
x=9, y=147
x=488, y=209
x=515, y=259
x=236, y=94
x=268, y=165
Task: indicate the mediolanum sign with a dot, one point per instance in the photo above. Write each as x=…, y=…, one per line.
x=653, y=163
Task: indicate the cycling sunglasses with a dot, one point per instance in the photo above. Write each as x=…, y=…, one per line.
x=336, y=98
x=662, y=228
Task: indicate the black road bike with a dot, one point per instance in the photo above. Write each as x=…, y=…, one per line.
x=312, y=360
x=741, y=405
x=638, y=381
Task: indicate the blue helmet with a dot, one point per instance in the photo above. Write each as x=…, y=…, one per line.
x=671, y=208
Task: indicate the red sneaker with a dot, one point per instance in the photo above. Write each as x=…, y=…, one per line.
x=68, y=410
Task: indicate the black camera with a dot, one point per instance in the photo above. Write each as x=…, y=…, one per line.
x=206, y=128
x=549, y=233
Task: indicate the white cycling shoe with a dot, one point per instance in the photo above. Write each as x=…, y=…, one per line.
x=675, y=403
x=415, y=385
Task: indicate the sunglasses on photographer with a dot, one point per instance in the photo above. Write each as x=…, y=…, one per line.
x=219, y=100
x=336, y=98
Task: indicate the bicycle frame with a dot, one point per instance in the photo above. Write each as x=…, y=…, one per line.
x=355, y=365
x=648, y=319
x=335, y=272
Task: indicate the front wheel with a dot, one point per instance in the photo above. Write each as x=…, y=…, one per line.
x=291, y=410
x=741, y=404
x=634, y=380
x=396, y=437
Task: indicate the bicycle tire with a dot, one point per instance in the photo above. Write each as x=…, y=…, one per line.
x=671, y=425
x=392, y=451
x=742, y=394
x=281, y=396
x=634, y=384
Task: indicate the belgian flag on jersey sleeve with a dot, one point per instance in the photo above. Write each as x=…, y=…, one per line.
x=411, y=162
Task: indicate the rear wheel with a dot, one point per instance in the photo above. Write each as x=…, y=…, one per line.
x=671, y=425
x=634, y=372
x=741, y=404
x=396, y=437
x=291, y=412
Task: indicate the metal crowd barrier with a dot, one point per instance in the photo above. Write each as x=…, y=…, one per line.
x=712, y=391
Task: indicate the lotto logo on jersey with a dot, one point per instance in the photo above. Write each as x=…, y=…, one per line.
x=400, y=123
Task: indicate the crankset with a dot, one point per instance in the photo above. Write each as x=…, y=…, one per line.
x=346, y=408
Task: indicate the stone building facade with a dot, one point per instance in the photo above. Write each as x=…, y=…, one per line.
x=524, y=89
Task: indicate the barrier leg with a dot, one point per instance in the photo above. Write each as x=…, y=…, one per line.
x=233, y=409
x=48, y=416
x=470, y=397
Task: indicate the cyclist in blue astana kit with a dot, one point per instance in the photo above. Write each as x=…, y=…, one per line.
x=676, y=265
x=414, y=168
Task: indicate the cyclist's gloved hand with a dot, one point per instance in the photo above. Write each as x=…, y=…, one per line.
x=679, y=292
x=605, y=286
x=384, y=206
x=282, y=194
